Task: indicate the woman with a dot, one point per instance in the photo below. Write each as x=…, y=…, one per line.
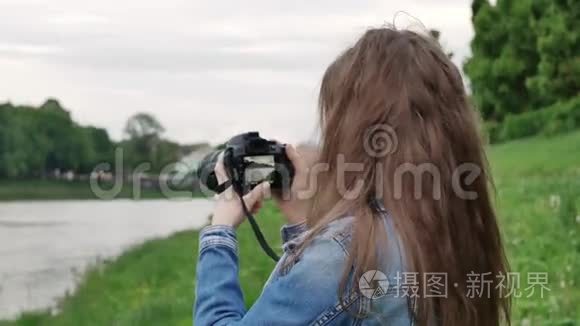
x=398, y=234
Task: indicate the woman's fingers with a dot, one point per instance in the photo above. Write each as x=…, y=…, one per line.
x=220, y=171
x=257, y=207
x=300, y=168
x=296, y=159
x=257, y=194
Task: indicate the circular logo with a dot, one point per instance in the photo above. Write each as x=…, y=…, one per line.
x=373, y=284
x=380, y=140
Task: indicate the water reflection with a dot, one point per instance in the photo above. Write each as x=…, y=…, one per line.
x=45, y=246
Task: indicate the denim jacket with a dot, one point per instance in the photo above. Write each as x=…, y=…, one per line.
x=304, y=293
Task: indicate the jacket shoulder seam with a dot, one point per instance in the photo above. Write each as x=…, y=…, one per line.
x=341, y=245
x=333, y=312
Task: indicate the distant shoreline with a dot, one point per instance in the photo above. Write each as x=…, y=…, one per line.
x=46, y=190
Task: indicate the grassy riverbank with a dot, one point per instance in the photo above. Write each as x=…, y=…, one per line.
x=538, y=196
x=11, y=190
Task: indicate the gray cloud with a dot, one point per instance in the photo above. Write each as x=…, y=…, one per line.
x=206, y=69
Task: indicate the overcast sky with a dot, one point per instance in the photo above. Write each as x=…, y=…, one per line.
x=206, y=69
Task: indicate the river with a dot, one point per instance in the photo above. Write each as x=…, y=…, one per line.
x=46, y=245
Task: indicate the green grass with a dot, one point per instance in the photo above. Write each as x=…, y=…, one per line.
x=538, y=200
x=11, y=190
x=153, y=284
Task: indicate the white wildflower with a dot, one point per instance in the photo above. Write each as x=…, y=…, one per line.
x=526, y=322
x=578, y=219
x=555, y=201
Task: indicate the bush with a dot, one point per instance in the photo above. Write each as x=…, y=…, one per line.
x=491, y=131
x=558, y=118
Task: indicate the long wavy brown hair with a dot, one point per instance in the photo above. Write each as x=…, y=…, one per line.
x=401, y=83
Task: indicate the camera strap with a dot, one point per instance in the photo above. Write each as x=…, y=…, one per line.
x=223, y=186
x=257, y=232
x=255, y=227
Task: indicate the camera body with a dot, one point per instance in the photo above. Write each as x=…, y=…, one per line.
x=249, y=160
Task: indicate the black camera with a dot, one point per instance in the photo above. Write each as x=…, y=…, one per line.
x=249, y=160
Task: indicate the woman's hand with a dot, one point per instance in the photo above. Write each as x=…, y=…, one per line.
x=228, y=209
x=295, y=208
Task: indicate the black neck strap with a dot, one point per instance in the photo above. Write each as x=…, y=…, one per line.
x=255, y=227
x=223, y=186
x=258, y=233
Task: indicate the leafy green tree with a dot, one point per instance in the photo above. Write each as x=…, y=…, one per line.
x=524, y=55
x=36, y=141
x=99, y=149
x=503, y=56
x=436, y=34
x=145, y=143
x=558, y=45
x=65, y=141
x=143, y=124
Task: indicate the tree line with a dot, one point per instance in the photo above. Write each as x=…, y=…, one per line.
x=524, y=75
x=526, y=57
x=37, y=141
